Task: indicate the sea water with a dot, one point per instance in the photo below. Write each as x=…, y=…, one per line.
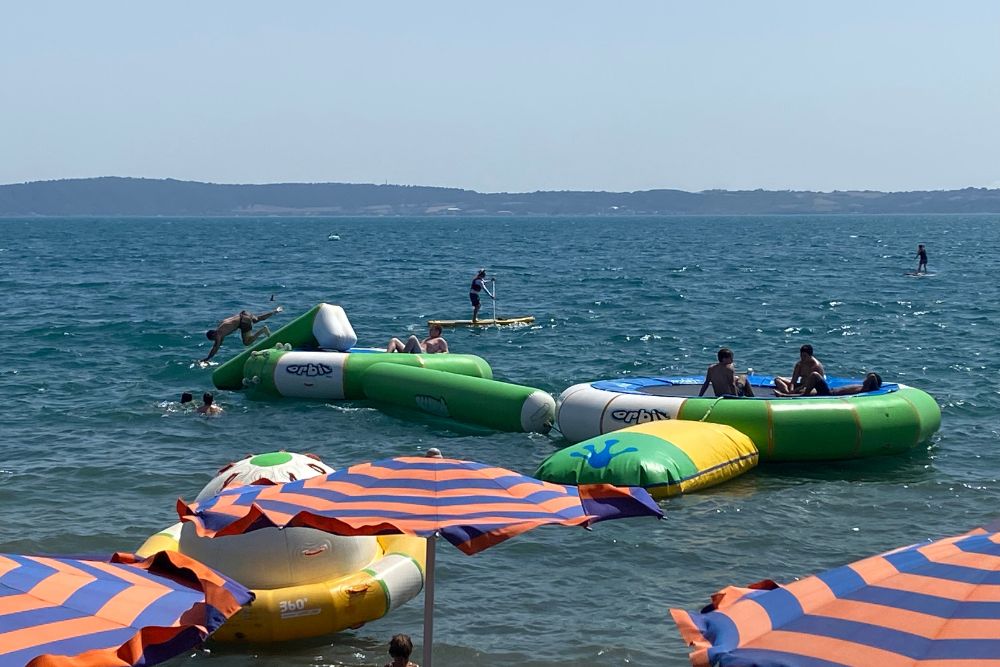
x=103, y=321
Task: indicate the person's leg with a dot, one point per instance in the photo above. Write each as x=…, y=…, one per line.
x=783, y=385
x=475, y=312
x=249, y=338
x=395, y=345
x=815, y=382
x=743, y=386
x=412, y=345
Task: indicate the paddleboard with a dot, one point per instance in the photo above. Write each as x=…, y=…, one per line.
x=917, y=275
x=503, y=321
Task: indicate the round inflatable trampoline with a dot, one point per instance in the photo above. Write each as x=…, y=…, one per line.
x=889, y=420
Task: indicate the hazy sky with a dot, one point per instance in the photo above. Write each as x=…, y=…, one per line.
x=512, y=96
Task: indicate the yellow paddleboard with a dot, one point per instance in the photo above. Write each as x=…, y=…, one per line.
x=526, y=319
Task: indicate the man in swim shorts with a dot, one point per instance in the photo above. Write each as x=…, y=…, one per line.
x=816, y=385
x=723, y=378
x=804, y=367
x=433, y=344
x=244, y=321
x=478, y=285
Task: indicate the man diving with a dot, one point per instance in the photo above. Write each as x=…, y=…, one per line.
x=244, y=321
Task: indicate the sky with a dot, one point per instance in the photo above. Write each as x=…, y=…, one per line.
x=505, y=97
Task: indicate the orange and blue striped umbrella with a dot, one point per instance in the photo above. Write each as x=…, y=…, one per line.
x=472, y=505
x=60, y=612
x=928, y=605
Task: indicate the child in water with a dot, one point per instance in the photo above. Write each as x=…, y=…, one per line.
x=400, y=648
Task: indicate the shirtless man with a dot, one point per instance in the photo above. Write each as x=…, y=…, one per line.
x=244, y=321
x=816, y=384
x=433, y=344
x=804, y=367
x=723, y=378
x=208, y=406
x=921, y=258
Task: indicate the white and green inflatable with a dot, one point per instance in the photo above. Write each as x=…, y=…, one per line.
x=314, y=356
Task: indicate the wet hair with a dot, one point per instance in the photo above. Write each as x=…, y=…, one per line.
x=186, y=397
x=725, y=352
x=210, y=334
x=482, y=272
x=207, y=398
x=807, y=348
x=401, y=646
x=872, y=379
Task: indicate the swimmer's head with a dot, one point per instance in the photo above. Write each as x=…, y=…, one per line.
x=210, y=334
x=186, y=397
x=207, y=398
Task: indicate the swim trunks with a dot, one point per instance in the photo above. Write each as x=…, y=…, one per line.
x=474, y=298
x=246, y=321
x=822, y=388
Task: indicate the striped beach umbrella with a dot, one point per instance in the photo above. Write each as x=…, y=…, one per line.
x=930, y=604
x=472, y=505
x=60, y=612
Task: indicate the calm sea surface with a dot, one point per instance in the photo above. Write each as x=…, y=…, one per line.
x=103, y=319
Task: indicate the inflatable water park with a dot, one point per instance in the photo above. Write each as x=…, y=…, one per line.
x=315, y=356
x=655, y=433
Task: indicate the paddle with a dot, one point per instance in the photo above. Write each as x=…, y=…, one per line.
x=494, y=295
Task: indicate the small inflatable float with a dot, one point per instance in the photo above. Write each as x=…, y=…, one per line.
x=307, y=582
x=893, y=419
x=666, y=458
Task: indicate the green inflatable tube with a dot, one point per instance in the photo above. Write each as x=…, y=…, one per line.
x=481, y=401
x=338, y=375
x=852, y=426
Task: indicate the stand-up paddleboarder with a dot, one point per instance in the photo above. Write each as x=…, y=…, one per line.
x=478, y=285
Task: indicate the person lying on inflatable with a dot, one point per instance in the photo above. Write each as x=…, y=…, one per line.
x=815, y=385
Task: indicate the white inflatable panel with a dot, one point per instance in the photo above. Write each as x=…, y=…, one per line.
x=311, y=375
x=332, y=330
x=585, y=412
x=272, y=558
x=277, y=467
x=402, y=578
x=538, y=413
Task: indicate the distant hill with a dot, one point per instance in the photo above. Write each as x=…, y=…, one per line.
x=112, y=196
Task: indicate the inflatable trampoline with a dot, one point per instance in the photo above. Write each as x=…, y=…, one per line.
x=889, y=420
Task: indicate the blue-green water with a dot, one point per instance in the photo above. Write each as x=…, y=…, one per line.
x=103, y=319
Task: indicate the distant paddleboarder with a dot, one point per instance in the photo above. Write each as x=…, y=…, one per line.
x=921, y=258
x=478, y=285
x=244, y=321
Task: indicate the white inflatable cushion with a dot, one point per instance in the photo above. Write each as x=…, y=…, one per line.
x=332, y=329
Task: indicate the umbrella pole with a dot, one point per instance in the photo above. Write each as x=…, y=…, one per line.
x=429, y=602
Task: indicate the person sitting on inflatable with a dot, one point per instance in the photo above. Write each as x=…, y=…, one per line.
x=816, y=385
x=433, y=344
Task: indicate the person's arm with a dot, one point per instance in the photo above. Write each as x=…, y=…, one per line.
x=731, y=381
x=796, y=374
x=216, y=344
x=487, y=289
x=264, y=316
x=708, y=381
x=444, y=345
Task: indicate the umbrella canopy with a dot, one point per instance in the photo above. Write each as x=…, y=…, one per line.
x=472, y=505
x=928, y=604
x=59, y=612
